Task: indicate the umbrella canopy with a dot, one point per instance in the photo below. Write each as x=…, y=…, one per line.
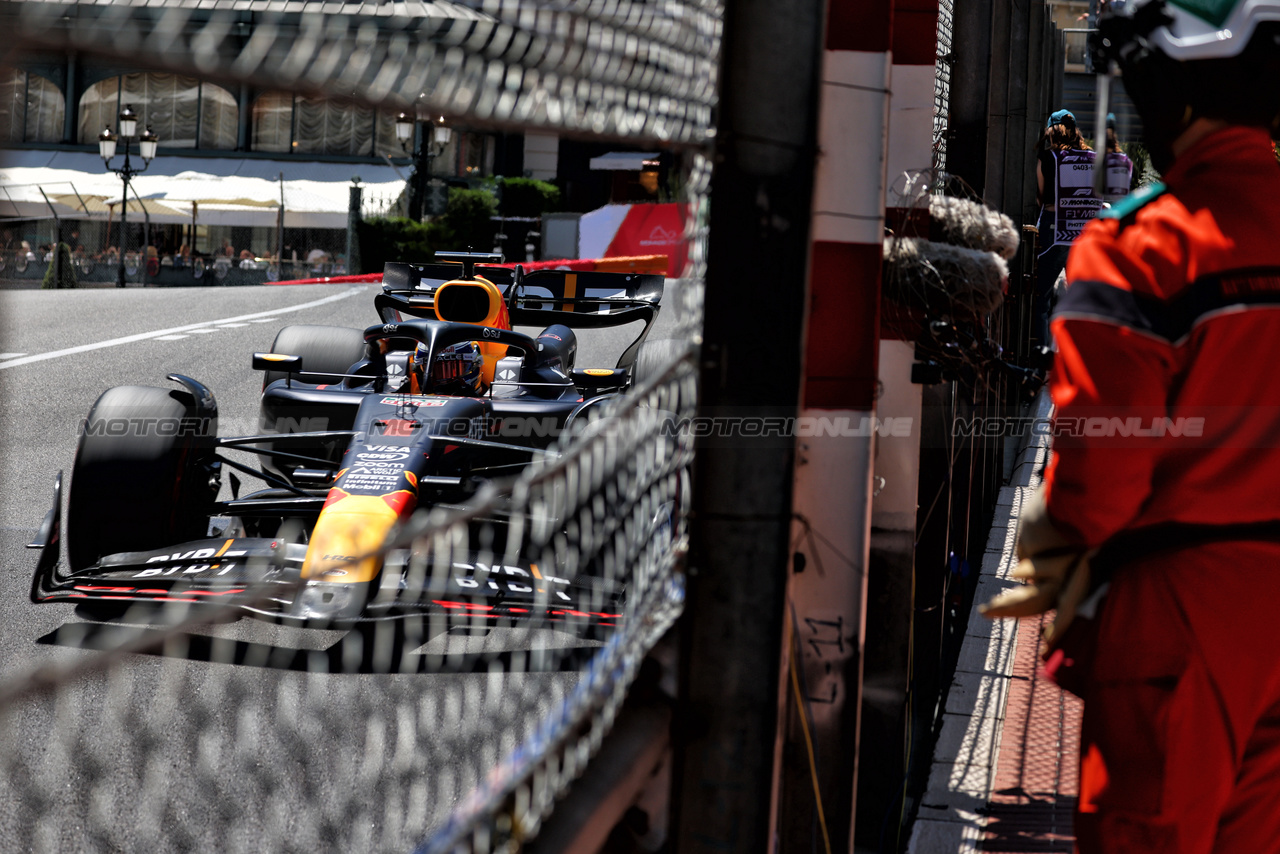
x=228, y=190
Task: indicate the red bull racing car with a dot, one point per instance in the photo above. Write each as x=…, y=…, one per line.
x=360, y=428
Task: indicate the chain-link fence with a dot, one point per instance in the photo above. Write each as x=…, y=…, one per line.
x=942, y=84
x=617, y=69
x=181, y=725
x=455, y=725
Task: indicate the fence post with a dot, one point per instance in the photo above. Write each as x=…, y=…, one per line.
x=725, y=742
x=353, y=223
x=280, y=231
x=967, y=125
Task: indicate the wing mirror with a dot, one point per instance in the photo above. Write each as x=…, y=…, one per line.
x=277, y=362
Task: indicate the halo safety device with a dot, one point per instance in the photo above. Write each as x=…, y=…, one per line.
x=477, y=301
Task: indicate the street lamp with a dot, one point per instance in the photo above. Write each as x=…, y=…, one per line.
x=147, y=144
x=423, y=150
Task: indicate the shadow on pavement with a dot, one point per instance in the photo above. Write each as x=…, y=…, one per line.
x=382, y=648
x=1020, y=822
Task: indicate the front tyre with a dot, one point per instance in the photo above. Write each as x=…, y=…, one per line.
x=140, y=479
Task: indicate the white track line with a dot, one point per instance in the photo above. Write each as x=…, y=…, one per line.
x=4, y=356
x=190, y=327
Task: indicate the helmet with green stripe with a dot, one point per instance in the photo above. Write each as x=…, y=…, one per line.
x=1188, y=59
x=1209, y=29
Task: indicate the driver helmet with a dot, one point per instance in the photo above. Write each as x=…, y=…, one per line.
x=457, y=370
x=1187, y=59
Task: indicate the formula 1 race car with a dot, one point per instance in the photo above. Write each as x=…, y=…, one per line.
x=359, y=429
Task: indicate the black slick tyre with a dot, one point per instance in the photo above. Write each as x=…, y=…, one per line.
x=325, y=350
x=140, y=481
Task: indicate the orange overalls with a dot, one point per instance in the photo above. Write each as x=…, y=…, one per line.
x=1167, y=388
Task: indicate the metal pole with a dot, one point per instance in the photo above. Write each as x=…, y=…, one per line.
x=969, y=125
x=279, y=231
x=725, y=738
x=998, y=73
x=146, y=229
x=83, y=206
x=124, y=213
x=416, y=181
x=1016, y=145
x=57, y=240
x=426, y=178
x=127, y=172
x=353, y=225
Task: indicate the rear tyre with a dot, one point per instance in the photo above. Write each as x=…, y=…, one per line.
x=654, y=356
x=139, y=479
x=325, y=350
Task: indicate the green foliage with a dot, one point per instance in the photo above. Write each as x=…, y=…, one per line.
x=466, y=224
x=67, y=270
x=467, y=219
x=1144, y=174
x=528, y=197
x=399, y=239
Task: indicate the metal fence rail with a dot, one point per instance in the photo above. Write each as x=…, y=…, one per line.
x=170, y=730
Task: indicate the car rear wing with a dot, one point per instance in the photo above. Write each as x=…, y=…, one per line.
x=579, y=300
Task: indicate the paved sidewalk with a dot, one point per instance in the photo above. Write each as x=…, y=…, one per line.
x=1037, y=773
x=1004, y=775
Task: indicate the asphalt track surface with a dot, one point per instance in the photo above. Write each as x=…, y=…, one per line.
x=58, y=351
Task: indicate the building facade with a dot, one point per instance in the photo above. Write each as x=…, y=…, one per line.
x=232, y=163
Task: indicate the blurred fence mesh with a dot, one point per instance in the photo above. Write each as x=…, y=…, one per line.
x=612, y=68
x=449, y=730
x=169, y=730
